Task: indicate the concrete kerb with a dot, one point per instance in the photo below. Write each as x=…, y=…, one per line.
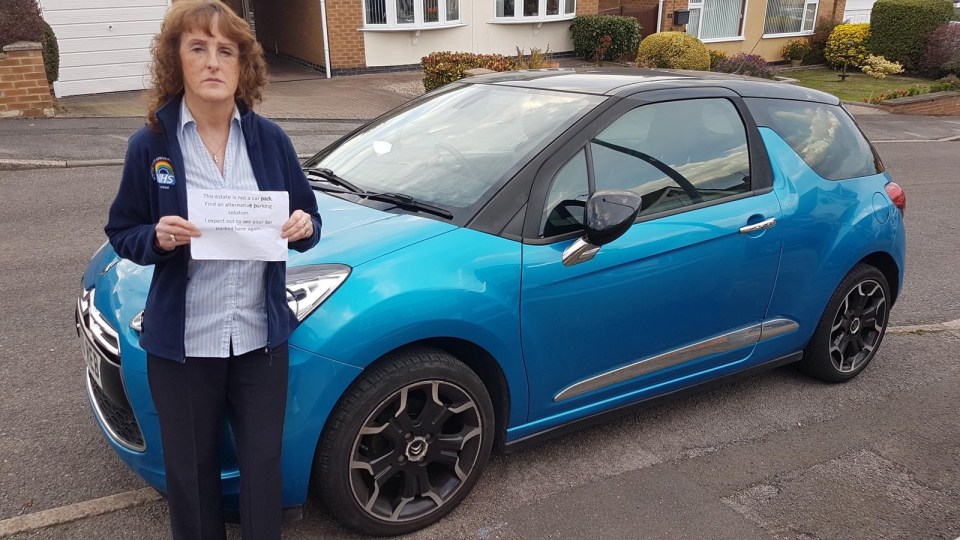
x=74, y=512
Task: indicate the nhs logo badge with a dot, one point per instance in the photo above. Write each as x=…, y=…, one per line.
x=163, y=172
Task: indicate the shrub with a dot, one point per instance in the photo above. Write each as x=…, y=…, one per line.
x=536, y=60
x=847, y=39
x=676, y=50
x=20, y=21
x=914, y=90
x=943, y=47
x=587, y=31
x=795, y=49
x=51, y=53
x=952, y=67
x=445, y=67
x=899, y=28
x=818, y=42
x=879, y=67
x=950, y=82
x=600, y=51
x=745, y=64
x=716, y=56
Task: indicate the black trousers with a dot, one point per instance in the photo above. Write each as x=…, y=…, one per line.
x=191, y=400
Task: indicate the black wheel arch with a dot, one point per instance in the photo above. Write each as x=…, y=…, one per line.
x=886, y=264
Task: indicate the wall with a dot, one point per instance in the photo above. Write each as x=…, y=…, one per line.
x=347, y=45
x=24, y=90
x=753, y=42
x=936, y=104
x=104, y=44
x=477, y=35
x=584, y=7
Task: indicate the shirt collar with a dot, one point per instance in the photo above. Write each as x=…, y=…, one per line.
x=187, y=118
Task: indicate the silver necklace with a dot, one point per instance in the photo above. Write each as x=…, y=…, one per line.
x=216, y=161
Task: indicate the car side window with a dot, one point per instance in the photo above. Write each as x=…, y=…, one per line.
x=672, y=154
x=567, y=198
x=823, y=135
x=675, y=154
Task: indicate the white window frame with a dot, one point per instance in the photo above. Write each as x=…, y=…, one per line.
x=802, y=32
x=697, y=5
x=418, y=19
x=518, y=16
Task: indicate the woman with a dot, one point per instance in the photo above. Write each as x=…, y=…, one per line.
x=215, y=331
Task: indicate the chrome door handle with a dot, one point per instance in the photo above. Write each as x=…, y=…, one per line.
x=765, y=224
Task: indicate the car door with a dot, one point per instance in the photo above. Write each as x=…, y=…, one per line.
x=683, y=292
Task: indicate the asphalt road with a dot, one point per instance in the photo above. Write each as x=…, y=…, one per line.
x=775, y=456
x=106, y=138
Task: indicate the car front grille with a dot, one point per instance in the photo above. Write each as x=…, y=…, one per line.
x=109, y=397
x=120, y=419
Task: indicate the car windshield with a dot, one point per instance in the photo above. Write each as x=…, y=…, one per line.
x=457, y=146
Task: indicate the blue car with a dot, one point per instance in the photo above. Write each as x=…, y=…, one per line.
x=515, y=255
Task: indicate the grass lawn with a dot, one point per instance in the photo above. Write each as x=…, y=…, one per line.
x=857, y=87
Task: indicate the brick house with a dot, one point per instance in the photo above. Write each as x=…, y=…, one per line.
x=369, y=35
x=104, y=44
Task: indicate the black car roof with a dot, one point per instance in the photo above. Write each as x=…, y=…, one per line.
x=627, y=81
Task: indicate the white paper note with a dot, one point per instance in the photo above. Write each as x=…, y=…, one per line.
x=238, y=225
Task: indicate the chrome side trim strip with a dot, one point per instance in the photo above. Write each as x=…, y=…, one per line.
x=718, y=344
x=777, y=327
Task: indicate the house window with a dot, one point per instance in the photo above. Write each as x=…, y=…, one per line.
x=535, y=10
x=790, y=16
x=716, y=19
x=410, y=13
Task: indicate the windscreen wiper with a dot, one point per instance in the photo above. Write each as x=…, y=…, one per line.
x=332, y=178
x=408, y=202
x=399, y=199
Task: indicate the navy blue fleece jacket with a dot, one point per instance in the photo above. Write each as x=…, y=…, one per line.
x=152, y=186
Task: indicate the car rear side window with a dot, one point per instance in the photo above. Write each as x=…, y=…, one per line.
x=823, y=135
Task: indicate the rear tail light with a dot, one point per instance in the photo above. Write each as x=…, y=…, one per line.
x=898, y=196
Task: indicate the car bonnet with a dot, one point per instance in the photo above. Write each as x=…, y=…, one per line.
x=352, y=234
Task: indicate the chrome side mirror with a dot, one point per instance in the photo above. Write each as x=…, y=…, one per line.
x=608, y=214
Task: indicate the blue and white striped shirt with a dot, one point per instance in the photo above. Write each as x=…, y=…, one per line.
x=225, y=299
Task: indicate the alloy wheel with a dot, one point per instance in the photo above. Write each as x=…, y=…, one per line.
x=858, y=326
x=415, y=451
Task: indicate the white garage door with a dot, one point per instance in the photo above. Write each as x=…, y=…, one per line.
x=104, y=44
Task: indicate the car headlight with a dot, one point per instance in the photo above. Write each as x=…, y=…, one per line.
x=307, y=288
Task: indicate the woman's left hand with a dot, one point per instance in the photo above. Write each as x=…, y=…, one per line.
x=298, y=227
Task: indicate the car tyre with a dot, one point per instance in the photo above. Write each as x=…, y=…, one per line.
x=405, y=444
x=852, y=326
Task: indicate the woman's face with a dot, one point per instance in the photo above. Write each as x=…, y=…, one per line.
x=211, y=65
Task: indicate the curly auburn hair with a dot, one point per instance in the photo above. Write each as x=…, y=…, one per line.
x=196, y=15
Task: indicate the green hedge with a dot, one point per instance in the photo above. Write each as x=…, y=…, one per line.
x=588, y=29
x=899, y=28
x=51, y=53
x=20, y=21
x=445, y=67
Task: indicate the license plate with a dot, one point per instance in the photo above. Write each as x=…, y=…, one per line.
x=92, y=358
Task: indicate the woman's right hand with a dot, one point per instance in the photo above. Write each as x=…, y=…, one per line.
x=173, y=231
